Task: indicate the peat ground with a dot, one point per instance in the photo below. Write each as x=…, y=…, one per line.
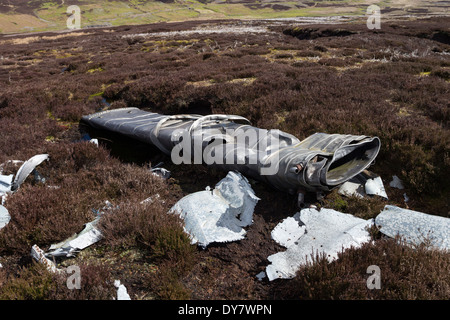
x=392, y=83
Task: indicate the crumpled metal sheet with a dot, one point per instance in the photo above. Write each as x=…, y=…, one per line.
x=26, y=168
x=396, y=183
x=310, y=232
x=220, y=214
x=352, y=188
x=4, y=217
x=77, y=242
x=362, y=185
x=375, y=187
x=318, y=163
x=5, y=183
x=69, y=247
x=161, y=172
x=414, y=227
x=39, y=255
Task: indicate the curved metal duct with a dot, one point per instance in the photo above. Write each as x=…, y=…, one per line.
x=318, y=163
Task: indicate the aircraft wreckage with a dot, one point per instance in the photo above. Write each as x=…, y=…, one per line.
x=318, y=163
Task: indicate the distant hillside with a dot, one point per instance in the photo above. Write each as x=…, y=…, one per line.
x=45, y=15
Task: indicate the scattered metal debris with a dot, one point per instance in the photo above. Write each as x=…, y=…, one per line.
x=69, y=247
x=396, y=183
x=414, y=227
x=5, y=184
x=365, y=183
x=8, y=185
x=405, y=197
x=158, y=170
x=220, y=214
x=4, y=217
x=310, y=232
x=151, y=199
x=39, y=255
x=375, y=187
x=87, y=237
x=352, y=188
x=319, y=163
x=39, y=178
x=161, y=172
x=86, y=137
x=261, y=275
x=26, y=168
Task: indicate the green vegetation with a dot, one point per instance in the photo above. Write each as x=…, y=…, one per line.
x=25, y=16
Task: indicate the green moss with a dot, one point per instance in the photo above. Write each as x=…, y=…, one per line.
x=339, y=204
x=98, y=69
x=98, y=94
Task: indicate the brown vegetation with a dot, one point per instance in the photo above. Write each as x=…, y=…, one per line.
x=392, y=83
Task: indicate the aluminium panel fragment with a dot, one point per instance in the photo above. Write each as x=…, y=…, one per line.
x=311, y=232
x=26, y=168
x=4, y=217
x=219, y=214
x=414, y=227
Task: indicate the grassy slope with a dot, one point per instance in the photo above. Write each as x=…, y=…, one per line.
x=51, y=15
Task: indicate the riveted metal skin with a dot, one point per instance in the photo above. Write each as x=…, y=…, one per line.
x=318, y=163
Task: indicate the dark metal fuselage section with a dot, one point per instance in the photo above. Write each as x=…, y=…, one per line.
x=318, y=163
